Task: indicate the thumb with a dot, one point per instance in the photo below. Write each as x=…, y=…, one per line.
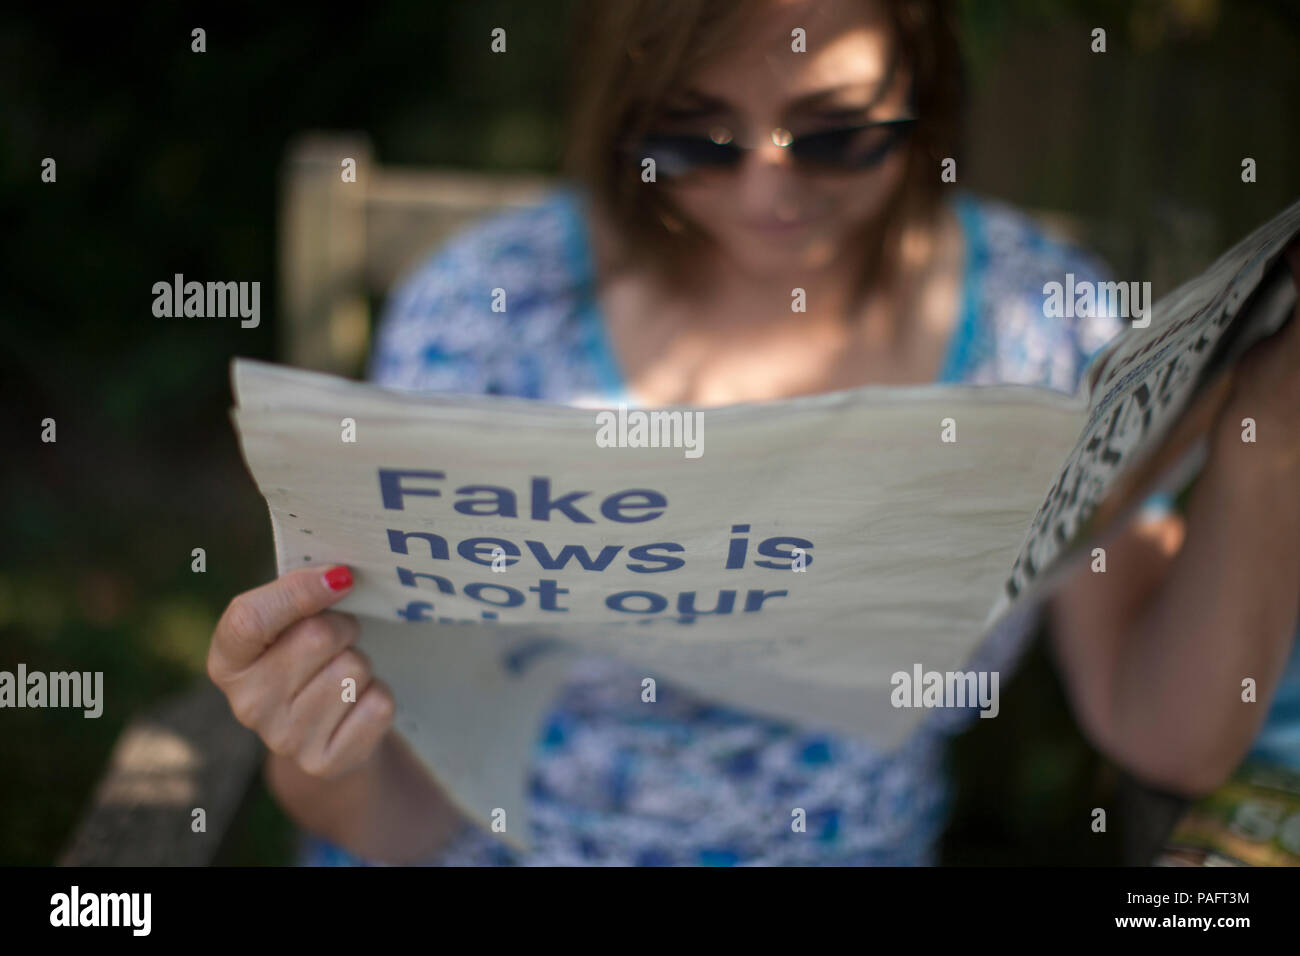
x=255, y=618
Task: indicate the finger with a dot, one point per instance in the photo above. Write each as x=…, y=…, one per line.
x=1157, y=538
x=360, y=731
x=255, y=618
x=268, y=686
x=320, y=707
x=307, y=646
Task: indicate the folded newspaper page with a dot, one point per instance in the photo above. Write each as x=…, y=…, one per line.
x=784, y=557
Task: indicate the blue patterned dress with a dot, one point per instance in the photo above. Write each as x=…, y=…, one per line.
x=688, y=781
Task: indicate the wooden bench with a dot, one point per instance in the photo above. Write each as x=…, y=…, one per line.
x=342, y=244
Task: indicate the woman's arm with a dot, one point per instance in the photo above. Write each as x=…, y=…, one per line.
x=1154, y=651
x=389, y=810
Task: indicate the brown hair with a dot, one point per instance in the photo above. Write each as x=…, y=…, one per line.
x=629, y=56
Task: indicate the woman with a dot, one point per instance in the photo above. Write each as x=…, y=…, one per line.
x=677, y=288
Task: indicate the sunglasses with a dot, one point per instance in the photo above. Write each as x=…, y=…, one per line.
x=843, y=149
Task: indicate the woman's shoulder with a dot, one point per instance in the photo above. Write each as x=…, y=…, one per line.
x=1013, y=258
x=492, y=306
x=1014, y=240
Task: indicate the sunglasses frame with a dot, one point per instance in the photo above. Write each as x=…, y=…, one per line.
x=730, y=154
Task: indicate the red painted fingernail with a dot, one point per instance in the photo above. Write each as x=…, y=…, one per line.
x=338, y=579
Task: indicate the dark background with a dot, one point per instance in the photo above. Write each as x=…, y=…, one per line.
x=168, y=162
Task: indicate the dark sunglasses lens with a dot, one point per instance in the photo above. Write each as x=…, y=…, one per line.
x=679, y=155
x=852, y=148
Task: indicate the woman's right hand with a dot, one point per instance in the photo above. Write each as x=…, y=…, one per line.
x=281, y=657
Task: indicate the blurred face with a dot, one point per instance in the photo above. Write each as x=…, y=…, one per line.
x=767, y=214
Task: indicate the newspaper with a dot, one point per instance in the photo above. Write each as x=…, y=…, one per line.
x=1251, y=820
x=808, y=551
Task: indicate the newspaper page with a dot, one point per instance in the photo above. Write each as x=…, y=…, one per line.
x=1146, y=378
x=683, y=564
x=788, y=557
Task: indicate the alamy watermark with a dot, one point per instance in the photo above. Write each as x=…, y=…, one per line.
x=651, y=429
x=210, y=300
x=84, y=689
x=948, y=689
x=130, y=910
x=1086, y=299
